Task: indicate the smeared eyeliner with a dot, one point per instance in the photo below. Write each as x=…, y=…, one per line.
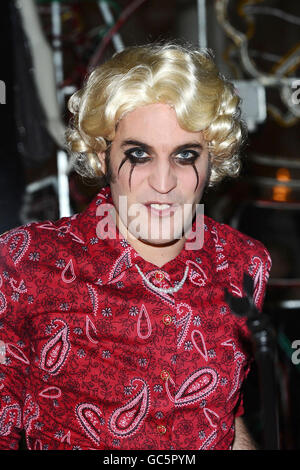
x=191, y=161
x=134, y=161
x=197, y=176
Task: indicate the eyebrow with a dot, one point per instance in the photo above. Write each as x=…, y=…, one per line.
x=149, y=149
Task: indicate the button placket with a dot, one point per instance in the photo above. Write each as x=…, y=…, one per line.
x=162, y=319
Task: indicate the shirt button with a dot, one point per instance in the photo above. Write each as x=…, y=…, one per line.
x=159, y=276
x=161, y=429
x=167, y=319
x=164, y=374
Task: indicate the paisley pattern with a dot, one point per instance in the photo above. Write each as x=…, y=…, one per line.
x=17, y=353
x=89, y=417
x=3, y=303
x=196, y=274
x=212, y=417
x=50, y=392
x=68, y=274
x=208, y=443
x=56, y=350
x=90, y=330
x=97, y=359
x=21, y=288
x=144, y=328
x=18, y=241
x=184, y=315
x=94, y=298
x=261, y=276
x=197, y=386
x=126, y=420
x=30, y=414
x=199, y=343
x=123, y=262
x=239, y=359
x=10, y=417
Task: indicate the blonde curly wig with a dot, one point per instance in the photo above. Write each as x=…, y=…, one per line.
x=185, y=78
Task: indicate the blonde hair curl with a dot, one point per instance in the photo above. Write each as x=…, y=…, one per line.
x=185, y=78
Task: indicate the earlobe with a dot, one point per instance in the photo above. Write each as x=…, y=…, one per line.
x=101, y=159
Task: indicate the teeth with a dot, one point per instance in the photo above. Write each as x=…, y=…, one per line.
x=160, y=206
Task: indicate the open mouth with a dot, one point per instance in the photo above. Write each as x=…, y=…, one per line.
x=161, y=210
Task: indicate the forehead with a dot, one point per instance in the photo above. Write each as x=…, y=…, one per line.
x=156, y=124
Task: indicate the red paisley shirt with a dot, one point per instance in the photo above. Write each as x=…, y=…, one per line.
x=91, y=357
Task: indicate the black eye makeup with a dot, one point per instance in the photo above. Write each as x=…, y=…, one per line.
x=186, y=154
x=187, y=157
x=137, y=155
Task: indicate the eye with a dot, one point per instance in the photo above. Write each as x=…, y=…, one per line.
x=136, y=155
x=187, y=156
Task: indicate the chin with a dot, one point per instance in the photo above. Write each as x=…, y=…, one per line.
x=160, y=240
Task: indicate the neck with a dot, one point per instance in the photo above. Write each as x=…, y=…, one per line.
x=157, y=254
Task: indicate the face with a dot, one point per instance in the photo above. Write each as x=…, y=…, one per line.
x=161, y=169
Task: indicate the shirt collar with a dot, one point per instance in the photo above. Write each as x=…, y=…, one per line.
x=117, y=251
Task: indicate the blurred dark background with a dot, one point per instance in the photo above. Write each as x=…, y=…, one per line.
x=256, y=43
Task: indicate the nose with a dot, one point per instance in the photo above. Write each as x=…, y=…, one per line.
x=162, y=178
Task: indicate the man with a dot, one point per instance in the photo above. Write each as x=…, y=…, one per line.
x=114, y=327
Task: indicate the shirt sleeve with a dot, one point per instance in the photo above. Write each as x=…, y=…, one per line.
x=240, y=410
x=14, y=338
x=258, y=265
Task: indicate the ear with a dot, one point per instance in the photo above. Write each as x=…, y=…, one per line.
x=101, y=156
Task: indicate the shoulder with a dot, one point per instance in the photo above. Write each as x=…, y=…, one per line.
x=32, y=258
x=238, y=253
x=239, y=246
x=38, y=248
x=30, y=239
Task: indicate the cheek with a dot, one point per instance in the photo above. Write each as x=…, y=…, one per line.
x=202, y=170
x=191, y=178
x=131, y=177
